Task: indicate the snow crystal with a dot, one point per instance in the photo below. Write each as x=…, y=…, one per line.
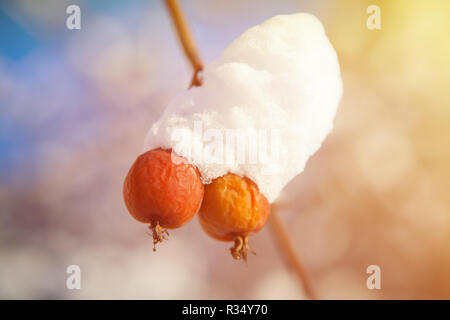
x=272, y=94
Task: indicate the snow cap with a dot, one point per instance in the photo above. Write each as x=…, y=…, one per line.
x=265, y=106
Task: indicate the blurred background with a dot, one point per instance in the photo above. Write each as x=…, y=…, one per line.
x=75, y=106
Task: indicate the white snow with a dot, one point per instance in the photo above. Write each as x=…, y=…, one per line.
x=280, y=79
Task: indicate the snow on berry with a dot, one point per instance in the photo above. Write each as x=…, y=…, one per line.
x=280, y=75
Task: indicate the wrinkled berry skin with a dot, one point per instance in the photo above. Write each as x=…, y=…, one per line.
x=233, y=207
x=163, y=188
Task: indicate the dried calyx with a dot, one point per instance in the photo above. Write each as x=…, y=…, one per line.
x=240, y=248
x=159, y=234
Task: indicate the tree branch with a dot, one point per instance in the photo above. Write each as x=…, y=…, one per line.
x=187, y=40
x=288, y=252
x=281, y=235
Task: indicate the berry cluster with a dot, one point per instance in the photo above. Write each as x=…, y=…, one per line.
x=165, y=191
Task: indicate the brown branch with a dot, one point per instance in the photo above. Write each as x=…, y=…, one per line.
x=187, y=40
x=287, y=249
x=279, y=231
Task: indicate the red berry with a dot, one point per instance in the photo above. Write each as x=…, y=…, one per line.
x=164, y=190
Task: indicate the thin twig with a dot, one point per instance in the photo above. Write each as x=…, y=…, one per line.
x=291, y=257
x=187, y=40
x=279, y=231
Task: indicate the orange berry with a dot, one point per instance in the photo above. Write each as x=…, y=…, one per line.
x=162, y=189
x=233, y=209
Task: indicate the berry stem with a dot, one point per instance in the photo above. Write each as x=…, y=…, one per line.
x=287, y=250
x=187, y=40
